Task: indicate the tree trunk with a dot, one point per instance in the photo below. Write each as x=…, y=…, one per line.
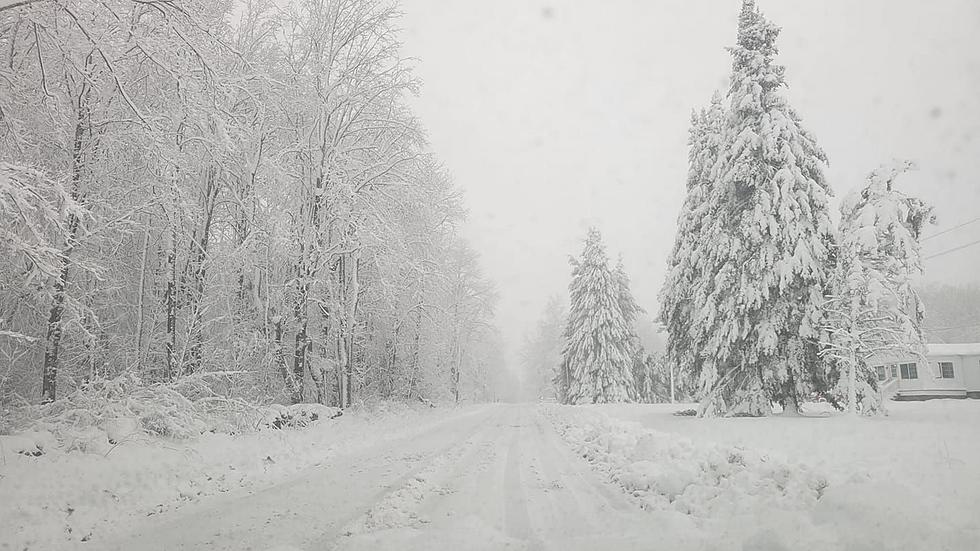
x=49, y=380
x=671, y=364
x=140, y=299
x=170, y=298
x=852, y=383
x=52, y=343
x=353, y=294
x=170, y=295
x=455, y=350
x=392, y=372
x=305, y=273
x=302, y=343
x=198, y=270
x=416, y=353
x=339, y=320
x=852, y=362
x=456, y=370
x=278, y=351
x=299, y=362
x=792, y=405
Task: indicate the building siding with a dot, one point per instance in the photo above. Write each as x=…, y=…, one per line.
x=971, y=373
x=965, y=380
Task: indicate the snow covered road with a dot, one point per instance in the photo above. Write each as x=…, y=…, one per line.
x=492, y=478
x=522, y=476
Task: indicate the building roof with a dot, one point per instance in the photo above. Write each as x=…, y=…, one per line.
x=958, y=349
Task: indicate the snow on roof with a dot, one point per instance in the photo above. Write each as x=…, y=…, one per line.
x=959, y=349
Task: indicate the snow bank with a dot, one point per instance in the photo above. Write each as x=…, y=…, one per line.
x=743, y=498
x=55, y=492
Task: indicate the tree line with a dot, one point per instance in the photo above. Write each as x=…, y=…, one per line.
x=235, y=188
x=766, y=300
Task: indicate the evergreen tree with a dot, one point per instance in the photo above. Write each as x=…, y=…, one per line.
x=874, y=308
x=627, y=304
x=631, y=310
x=687, y=263
x=749, y=272
x=598, y=353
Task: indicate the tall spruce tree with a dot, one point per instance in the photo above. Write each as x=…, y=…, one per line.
x=686, y=266
x=598, y=355
x=751, y=271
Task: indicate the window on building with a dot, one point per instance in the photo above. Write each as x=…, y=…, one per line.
x=894, y=371
x=881, y=372
x=946, y=370
x=909, y=371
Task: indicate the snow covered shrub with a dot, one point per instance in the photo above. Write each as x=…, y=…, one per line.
x=119, y=408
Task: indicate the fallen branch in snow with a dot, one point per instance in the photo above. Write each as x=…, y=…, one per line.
x=298, y=415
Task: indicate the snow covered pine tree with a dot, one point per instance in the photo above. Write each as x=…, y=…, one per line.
x=751, y=260
x=874, y=309
x=598, y=354
x=687, y=264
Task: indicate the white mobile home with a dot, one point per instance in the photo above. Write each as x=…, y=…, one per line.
x=948, y=371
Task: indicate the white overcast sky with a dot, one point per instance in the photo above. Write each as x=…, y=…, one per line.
x=554, y=115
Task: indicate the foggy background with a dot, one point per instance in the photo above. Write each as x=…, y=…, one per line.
x=556, y=115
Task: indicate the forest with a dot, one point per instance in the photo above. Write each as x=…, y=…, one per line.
x=231, y=193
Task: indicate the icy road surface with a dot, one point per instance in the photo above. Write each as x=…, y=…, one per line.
x=499, y=477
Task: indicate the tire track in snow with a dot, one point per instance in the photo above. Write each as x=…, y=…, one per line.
x=516, y=519
x=574, y=508
x=400, y=505
x=463, y=503
x=308, y=508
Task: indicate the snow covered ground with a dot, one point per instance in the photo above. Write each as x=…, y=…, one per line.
x=59, y=498
x=517, y=477
x=910, y=480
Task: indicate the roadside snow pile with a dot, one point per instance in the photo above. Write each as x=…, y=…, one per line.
x=109, y=411
x=665, y=471
x=85, y=468
x=106, y=413
x=764, y=501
